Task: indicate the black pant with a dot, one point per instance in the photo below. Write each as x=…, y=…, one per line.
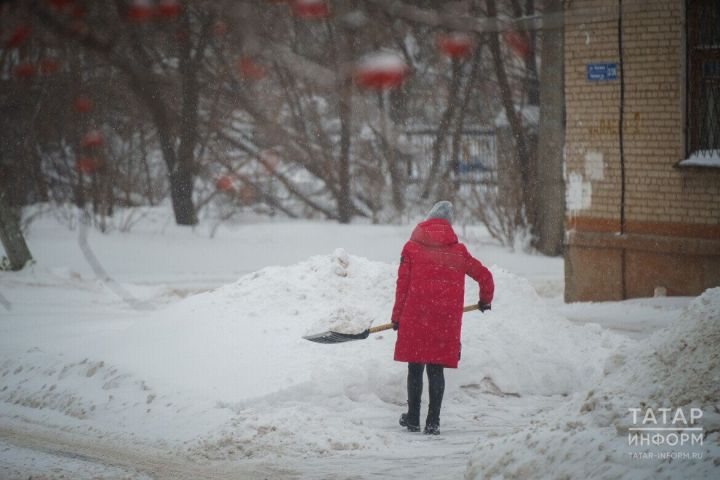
x=436, y=379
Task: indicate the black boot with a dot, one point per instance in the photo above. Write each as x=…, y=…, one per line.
x=404, y=423
x=436, y=379
x=411, y=419
x=431, y=429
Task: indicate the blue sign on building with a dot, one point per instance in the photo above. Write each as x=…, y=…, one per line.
x=601, y=72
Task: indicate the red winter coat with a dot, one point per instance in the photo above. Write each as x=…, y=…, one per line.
x=429, y=295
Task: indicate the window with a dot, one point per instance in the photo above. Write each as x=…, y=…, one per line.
x=703, y=80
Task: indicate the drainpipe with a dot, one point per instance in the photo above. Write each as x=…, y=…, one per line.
x=621, y=143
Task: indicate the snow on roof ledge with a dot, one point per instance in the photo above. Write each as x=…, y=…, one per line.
x=702, y=158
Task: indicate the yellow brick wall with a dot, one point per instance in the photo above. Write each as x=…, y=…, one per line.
x=654, y=69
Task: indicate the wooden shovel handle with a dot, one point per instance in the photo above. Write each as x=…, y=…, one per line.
x=388, y=326
x=380, y=328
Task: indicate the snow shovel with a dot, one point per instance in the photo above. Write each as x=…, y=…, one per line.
x=337, y=337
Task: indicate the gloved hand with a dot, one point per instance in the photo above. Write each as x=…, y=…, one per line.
x=484, y=306
x=395, y=325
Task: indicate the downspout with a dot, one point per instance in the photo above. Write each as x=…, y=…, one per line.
x=621, y=143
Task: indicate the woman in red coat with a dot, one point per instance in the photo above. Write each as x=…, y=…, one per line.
x=428, y=309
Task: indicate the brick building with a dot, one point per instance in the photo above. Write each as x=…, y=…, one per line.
x=642, y=147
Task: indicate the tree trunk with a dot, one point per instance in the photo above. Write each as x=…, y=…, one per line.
x=532, y=84
x=344, y=200
x=181, y=168
x=181, y=190
x=11, y=236
x=180, y=165
x=390, y=154
x=442, y=131
x=513, y=117
x=550, y=203
x=182, y=176
x=521, y=142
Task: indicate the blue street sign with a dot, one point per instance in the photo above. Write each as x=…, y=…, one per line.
x=601, y=72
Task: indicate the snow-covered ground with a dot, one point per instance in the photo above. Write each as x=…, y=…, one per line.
x=198, y=366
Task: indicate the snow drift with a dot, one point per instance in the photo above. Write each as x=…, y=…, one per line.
x=243, y=340
x=678, y=366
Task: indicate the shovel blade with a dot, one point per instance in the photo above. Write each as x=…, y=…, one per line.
x=337, y=337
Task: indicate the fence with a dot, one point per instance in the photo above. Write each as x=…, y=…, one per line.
x=476, y=160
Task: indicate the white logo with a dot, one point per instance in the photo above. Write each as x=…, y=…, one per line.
x=665, y=427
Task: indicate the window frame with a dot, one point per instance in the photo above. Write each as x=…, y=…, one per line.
x=695, y=58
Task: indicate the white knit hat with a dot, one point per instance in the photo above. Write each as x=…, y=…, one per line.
x=443, y=209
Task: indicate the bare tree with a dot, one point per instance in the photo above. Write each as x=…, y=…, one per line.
x=150, y=76
x=11, y=236
x=205, y=90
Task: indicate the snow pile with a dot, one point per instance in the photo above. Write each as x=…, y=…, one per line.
x=678, y=366
x=59, y=386
x=243, y=340
x=228, y=370
x=523, y=347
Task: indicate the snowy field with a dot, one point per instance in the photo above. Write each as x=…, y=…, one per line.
x=189, y=363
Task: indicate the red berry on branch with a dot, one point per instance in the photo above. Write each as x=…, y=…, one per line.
x=224, y=184
x=380, y=71
x=19, y=35
x=310, y=9
x=85, y=165
x=455, y=45
x=168, y=9
x=220, y=28
x=60, y=6
x=82, y=105
x=93, y=139
x=140, y=11
x=249, y=69
x=24, y=70
x=517, y=43
x=49, y=66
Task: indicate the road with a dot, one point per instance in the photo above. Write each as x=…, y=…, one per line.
x=30, y=451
